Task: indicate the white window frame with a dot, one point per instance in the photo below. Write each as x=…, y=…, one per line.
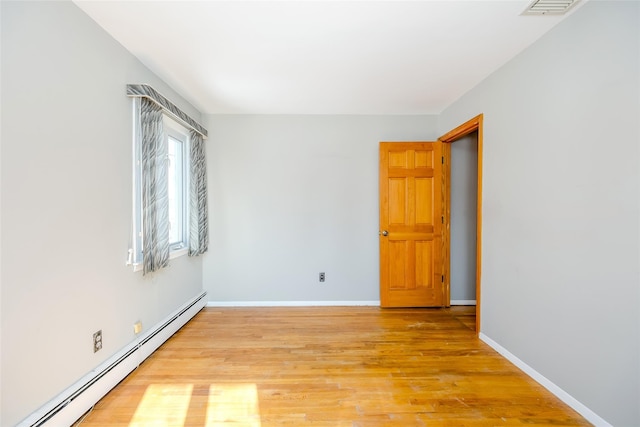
x=180, y=133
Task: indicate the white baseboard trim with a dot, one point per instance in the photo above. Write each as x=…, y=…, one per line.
x=463, y=302
x=292, y=303
x=69, y=405
x=587, y=413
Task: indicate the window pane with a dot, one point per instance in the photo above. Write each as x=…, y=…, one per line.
x=176, y=190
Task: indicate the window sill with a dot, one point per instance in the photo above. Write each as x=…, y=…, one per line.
x=175, y=253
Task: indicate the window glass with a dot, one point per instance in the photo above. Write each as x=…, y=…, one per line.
x=177, y=202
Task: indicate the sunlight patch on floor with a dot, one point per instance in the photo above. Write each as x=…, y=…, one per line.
x=233, y=404
x=169, y=405
x=163, y=405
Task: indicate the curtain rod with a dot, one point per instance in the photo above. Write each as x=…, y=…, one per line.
x=146, y=91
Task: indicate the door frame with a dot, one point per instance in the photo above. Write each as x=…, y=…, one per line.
x=472, y=125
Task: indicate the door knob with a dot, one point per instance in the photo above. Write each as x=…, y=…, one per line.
x=384, y=232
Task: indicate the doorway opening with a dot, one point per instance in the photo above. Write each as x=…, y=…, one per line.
x=470, y=128
x=464, y=184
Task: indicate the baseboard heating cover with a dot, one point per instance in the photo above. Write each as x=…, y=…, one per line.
x=69, y=405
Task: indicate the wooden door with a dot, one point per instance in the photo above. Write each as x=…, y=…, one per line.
x=411, y=217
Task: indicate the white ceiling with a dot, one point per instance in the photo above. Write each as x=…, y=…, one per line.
x=321, y=57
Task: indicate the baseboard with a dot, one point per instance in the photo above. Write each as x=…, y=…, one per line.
x=69, y=405
x=312, y=303
x=291, y=303
x=463, y=302
x=587, y=413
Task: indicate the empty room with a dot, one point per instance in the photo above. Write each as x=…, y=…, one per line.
x=320, y=213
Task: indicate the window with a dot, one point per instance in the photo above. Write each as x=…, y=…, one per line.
x=169, y=182
x=176, y=146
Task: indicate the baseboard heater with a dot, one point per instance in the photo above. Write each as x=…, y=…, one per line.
x=69, y=405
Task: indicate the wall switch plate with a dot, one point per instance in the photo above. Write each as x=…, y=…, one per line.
x=137, y=328
x=321, y=276
x=97, y=341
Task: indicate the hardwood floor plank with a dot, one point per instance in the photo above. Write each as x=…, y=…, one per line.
x=329, y=366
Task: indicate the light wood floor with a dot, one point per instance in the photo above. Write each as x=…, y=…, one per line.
x=329, y=366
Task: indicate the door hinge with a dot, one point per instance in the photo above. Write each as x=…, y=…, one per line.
x=442, y=278
x=443, y=160
x=442, y=218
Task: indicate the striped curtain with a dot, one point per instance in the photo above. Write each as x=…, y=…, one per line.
x=155, y=199
x=198, y=221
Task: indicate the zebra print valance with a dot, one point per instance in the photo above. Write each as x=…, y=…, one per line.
x=146, y=91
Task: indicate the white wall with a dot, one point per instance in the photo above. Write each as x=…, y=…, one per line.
x=560, y=269
x=292, y=196
x=66, y=204
x=464, y=190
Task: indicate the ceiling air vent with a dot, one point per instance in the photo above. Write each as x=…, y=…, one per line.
x=549, y=7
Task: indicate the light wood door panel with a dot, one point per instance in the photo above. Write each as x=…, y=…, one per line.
x=411, y=268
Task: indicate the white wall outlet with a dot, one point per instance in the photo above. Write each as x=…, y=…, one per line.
x=137, y=328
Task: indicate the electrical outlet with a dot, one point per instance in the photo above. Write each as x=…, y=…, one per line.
x=321, y=276
x=97, y=341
